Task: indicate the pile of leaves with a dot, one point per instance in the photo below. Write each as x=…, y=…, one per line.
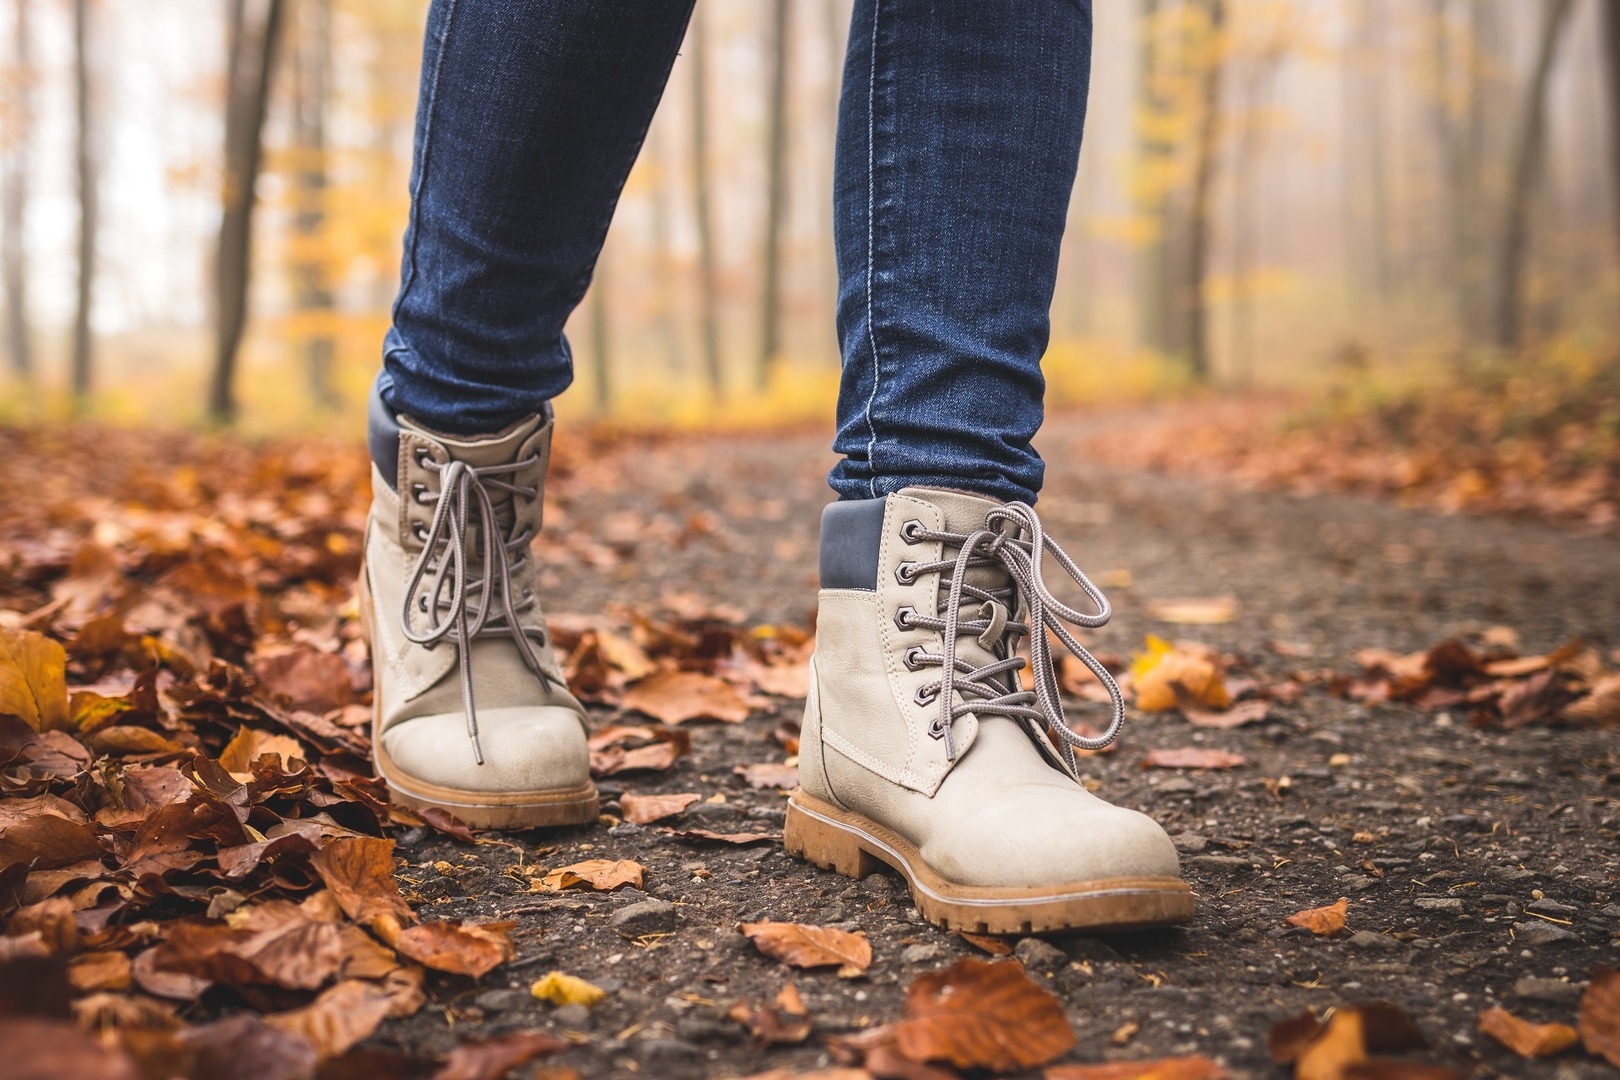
x=1537, y=435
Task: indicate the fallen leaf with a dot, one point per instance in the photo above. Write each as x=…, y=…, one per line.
x=33, y=679
x=37, y=1048
x=1184, y=1068
x=723, y=838
x=240, y=755
x=810, y=946
x=1323, y=921
x=1192, y=757
x=493, y=1059
x=92, y=972
x=463, y=948
x=1600, y=706
x=646, y=809
x=1339, y=1045
x=982, y=1015
x=338, y=1018
x=226, y=1047
x=1243, y=712
x=1524, y=1038
x=675, y=697
x=1600, y=1016
x=276, y=943
x=561, y=989
x=602, y=875
x=1205, y=611
x=990, y=943
x=359, y=870
x=783, y=1021
x=769, y=775
x=305, y=678
x=1157, y=674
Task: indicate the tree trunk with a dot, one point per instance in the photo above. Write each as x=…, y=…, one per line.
x=1454, y=209
x=708, y=283
x=251, y=59
x=1198, y=222
x=1611, y=69
x=1153, y=270
x=1246, y=203
x=84, y=160
x=312, y=72
x=18, y=152
x=770, y=303
x=1530, y=133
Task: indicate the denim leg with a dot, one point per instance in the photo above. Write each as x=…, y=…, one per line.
x=530, y=116
x=958, y=136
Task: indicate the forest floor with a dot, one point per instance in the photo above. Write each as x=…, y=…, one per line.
x=1476, y=839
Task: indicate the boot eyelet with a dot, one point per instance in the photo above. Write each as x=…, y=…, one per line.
x=926, y=695
x=424, y=457
x=419, y=530
x=935, y=730
x=911, y=531
x=903, y=617
x=906, y=573
x=421, y=603
x=914, y=658
x=417, y=491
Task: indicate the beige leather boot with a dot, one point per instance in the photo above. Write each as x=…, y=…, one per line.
x=922, y=750
x=472, y=713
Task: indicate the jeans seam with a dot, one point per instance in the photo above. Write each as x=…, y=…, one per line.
x=871, y=257
x=427, y=149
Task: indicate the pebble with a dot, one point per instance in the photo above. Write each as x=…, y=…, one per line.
x=414, y=837
x=1533, y=934
x=1612, y=911
x=1551, y=991
x=573, y=1017
x=1038, y=955
x=499, y=1001
x=1545, y=906
x=704, y=1029
x=649, y=916
x=1221, y=863
x=921, y=954
x=1367, y=939
x=669, y=1051
x=1451, y=905
x=1191, y=843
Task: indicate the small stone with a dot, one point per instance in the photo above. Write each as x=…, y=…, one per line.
x=1367, y=939
x=1177, y=785
x=705, y=1029
x=649, y=916
x=499, y=1001
x=1551, y=907
x=1191, y=843
x=1450, y=905
x=1534, y=934
x=1551, y=991
x=573, y=1017
x=1224, y=864
x=1038, y=955
x=1515, y=875
x=416, y=837
x=921, y=954
x=670, y=1051
x=1611, y=911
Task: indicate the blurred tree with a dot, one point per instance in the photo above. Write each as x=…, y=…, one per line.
x=770, y=301
x=1529, y=144
x=1153, y=151
x=1193, y=299
x=1366, y=182
x=86, y=168
x=18, y=154
x=250, y=61
x=708, y=274
x=312, y=78
x=1610, y=28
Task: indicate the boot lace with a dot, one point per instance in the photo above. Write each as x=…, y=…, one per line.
x=1012, y=539
x=471, y=594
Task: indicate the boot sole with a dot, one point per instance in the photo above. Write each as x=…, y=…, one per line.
x=476, y=809
x=855, y=846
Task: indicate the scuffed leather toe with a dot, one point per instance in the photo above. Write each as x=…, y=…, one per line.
x=526, y=749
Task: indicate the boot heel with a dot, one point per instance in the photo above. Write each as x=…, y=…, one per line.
x=827, y=846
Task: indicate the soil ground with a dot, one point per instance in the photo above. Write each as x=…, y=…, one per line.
x=1468, y=827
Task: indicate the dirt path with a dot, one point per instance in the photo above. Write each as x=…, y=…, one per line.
x=1481, y=867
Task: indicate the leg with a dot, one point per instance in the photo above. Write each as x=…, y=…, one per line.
x=531, y=114
x=957, y=142
x=958, y=136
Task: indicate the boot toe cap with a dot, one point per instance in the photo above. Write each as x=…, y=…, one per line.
x=1008, y=847
x=526, y=749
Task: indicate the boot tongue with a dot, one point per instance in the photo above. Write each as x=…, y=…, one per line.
x=480, y=451
x=964, y=514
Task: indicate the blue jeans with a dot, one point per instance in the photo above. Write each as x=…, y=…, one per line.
x=958, y=135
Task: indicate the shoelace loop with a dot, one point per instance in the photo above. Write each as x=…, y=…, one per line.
x=1012, y=538
x=462, y=598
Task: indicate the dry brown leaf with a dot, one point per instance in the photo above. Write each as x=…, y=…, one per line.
x=1158, y=673
x=242, y=752
x=1289, y=1038
x=810, y=946
x=785, y=1020
x=1600, y=706
x=1341, y=1043
x=37, y=1048
x=97, y=971
x=602, y=875
x=646, y=809
x=769, y=775
x=493, y=1059
x=978, y=1014
x=1323, y=921
x=723, y=838
x=1204, y=611
x=1183, y=1068
x=276, y=943
x=305, y=678
x=990, y=943
x=33, y=679
x=1243, y=712
x=1192, y=757
x=1600, y=1016
x=338, y=1018
x=1524, y=1038
x=464, y=948
x=359, y=870
x=675, y=697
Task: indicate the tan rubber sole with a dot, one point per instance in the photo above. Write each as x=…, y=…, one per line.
x=852, y=845
x=477, y=809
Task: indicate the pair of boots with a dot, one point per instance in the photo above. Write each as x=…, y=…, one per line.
x=920, y=749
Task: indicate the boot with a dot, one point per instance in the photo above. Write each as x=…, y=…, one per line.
x=922, y=750
x=471, y=712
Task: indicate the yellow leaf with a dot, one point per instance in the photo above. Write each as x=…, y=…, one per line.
x=1159, y=672
x=560, y=989
x=33, y=679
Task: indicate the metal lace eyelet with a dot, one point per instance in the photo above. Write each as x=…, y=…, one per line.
x=906, y=573
x=424, y=457
x=911, y=531
x=914, y=658
x=417, y=491
x=903, y=617
x=421, y=603
x=419, y=530
x=936, y=730
x=926, y=695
